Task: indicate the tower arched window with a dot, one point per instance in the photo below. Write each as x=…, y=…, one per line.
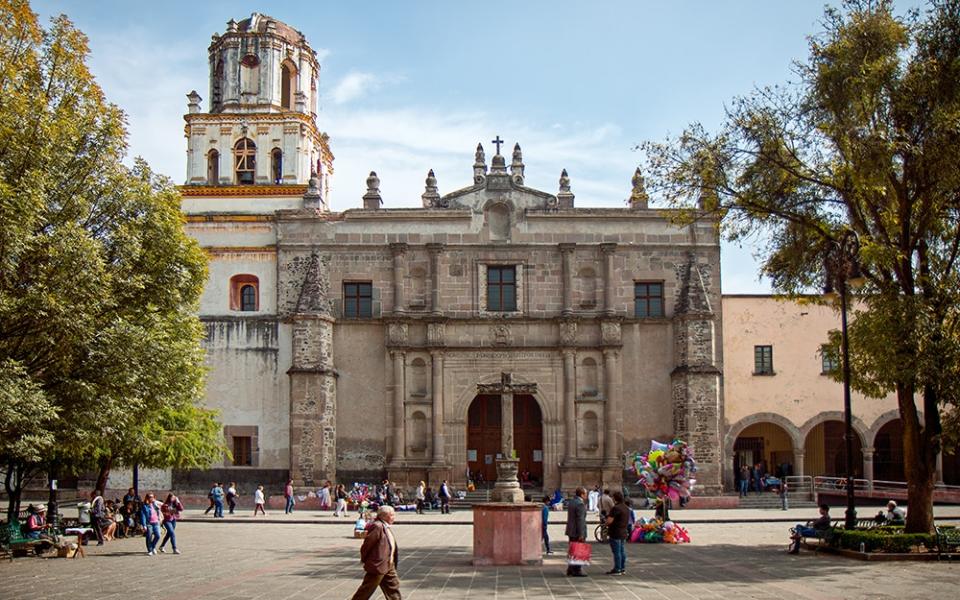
x=213, y=167
x=276, y=165
x=245, y=293
x=288, y=84
x=245, y=153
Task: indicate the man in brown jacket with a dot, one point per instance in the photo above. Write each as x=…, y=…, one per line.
x=379, y=557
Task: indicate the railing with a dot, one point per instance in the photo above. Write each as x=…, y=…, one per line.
x=875, y=487
x=800, y=485
x=839, y=484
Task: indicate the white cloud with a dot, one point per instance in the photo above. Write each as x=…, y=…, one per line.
x=354, y=85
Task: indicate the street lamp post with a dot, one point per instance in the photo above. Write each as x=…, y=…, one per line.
x=843, y=270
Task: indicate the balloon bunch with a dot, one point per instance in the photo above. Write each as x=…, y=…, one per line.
x=666, y=471
x=656, y=531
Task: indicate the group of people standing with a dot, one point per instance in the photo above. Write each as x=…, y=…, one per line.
x=614, y=513
x=133, y=516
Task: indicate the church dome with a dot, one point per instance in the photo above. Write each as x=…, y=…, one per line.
x=260, y=23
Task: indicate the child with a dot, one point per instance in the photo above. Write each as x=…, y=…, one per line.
x=360, y=526
x=258, y=501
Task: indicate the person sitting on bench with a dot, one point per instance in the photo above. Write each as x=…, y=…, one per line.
x=36, y=522
x=812, y=529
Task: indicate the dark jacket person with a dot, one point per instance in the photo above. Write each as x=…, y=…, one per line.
x=379, y=556
x=577, y=525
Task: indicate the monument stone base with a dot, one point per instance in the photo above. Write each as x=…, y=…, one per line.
x=507, y=534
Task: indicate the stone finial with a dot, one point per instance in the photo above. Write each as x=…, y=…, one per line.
x=231, y=26
x=313, y=198
x=431, y=195
x=565, y=197
x=372, y=199
x=479, y=165
x=638, y=197
x=516, y=165
x=193, y=102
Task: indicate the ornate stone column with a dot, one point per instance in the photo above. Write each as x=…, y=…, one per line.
x=506, y=424
x=435, y=250
x=398, y=392
x=569, y=399
x=566, y=253
x=436, y=360
x=398, y=250
x=611, y=412
x=607, y=251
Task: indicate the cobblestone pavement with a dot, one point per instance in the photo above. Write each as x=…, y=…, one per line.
x=276, y=561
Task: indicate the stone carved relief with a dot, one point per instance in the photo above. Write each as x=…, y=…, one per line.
x=435, y=334
x=397, y=334
x=568, y=333
x=500, y=334
x=610, y=333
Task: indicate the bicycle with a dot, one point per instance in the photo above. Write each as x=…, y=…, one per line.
x=602, y=533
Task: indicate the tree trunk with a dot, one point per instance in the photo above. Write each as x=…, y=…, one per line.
x=104, y=475
x=13, y=483
x=920, y=450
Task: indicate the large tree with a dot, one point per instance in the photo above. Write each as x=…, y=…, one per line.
x=865, y=140
x=99, y=284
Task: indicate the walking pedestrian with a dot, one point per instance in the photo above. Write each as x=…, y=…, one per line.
x=421, y=496
x=380, y=557
x=784, y=500
x=288, y=494
x=98, y=511
x=444, y=498
x=232, y=496
x=593, y=499
x=170, y=509
x=150, y=517
x=545, y=518
x=606, y=504
x=258, y=501
x=218, y=495
x=618, y=521
x=341, y=495
x=576, y=530
x=323, y=495
x=210, y=498
x=744, y=481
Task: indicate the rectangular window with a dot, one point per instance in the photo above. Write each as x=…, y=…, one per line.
x=763, y=360
x=358, y=300
x=648, y=299
x=242, y=451
x=830, y=363
x=502, y=288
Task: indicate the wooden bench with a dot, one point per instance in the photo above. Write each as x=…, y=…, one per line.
x=947, y=538
x=16, y=543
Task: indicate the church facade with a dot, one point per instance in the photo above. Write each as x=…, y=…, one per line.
x=394, y=342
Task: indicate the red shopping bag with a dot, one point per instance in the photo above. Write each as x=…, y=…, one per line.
x=578, y=553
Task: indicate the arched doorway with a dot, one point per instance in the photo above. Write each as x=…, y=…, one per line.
x=888, y=452
x=484, y=421
x=765, y=443
x=825, y=451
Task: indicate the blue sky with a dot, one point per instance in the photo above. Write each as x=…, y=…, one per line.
x=410, y=86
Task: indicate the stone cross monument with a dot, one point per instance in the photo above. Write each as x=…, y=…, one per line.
x=507, y=487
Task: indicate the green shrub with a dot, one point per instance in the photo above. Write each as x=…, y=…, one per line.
x=884, y=539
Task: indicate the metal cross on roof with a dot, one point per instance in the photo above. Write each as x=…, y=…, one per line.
x=497, y=141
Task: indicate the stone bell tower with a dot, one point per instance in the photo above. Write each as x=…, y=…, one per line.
x=260, y=125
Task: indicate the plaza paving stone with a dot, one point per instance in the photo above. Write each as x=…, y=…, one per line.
x=275, y=560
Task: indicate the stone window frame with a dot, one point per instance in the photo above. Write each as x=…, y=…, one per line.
x=521, y=268
x=358, y=315
x=237, y=284
x=763, y=360
x=231, y=432
x=637, y=297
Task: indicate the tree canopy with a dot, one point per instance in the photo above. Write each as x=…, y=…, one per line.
x=99, y=284
x=865, y=140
